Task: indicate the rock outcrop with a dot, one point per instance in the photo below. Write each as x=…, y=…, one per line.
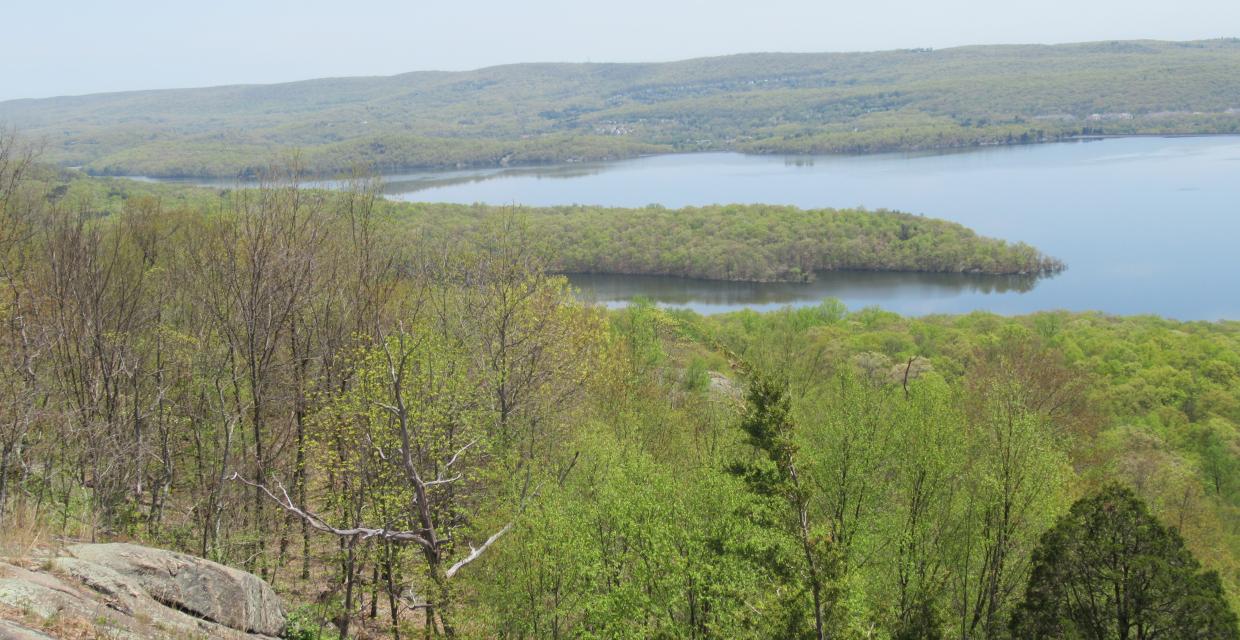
x=134, y=592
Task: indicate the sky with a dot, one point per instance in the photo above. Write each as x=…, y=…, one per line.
x=63, y=47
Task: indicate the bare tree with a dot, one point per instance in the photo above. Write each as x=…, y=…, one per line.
x=101, y=310
x=418, y=429
x=253, y=272
x=21, y=340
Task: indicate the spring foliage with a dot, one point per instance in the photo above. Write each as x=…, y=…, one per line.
x=410, y=438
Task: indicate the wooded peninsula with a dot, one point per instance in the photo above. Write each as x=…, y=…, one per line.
x=754, y=243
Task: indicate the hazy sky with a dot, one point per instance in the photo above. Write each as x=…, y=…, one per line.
x=59, y=47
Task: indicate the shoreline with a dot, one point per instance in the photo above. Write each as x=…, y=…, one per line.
x=214, y=180
x=1030, y=276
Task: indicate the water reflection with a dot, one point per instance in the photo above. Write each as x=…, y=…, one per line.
x=855, y=288
x=410, y=183
x=395, y=185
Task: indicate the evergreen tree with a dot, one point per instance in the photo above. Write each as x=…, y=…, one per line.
x=770, y=429
x=1109, y=570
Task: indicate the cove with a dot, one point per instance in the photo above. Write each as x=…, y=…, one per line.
x=1146, y=225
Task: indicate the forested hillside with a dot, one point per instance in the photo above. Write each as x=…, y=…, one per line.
x=1147, y=401
x=418, y=439
x=764, y=103
x=758, y=243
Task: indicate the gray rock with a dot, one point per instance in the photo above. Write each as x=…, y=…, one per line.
x=127, y=592
x=13, y=631
x=201, y=588
x=721, y=385
x=45, y=597
x=98, y=577
x=39, y=594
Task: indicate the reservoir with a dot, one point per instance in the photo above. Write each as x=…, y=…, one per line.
x=1146, y=225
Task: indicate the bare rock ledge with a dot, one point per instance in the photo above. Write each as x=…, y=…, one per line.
x=138, y=593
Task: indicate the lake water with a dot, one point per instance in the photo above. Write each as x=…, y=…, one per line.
x=1146, y=225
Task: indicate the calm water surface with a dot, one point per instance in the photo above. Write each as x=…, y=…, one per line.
x=1146, y=225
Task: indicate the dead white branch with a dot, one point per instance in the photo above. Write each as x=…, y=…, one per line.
x=286, y=502
x=318, y=523
x=475, y=553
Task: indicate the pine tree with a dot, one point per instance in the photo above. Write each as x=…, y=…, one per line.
x=770, y=429
x=1109, y=570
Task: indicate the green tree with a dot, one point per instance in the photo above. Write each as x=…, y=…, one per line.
x=1109, y=570
x=771, y=430
x=1017, y=405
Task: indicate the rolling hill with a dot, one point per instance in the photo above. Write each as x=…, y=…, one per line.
x=760, y=103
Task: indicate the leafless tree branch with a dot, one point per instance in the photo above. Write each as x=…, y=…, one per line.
x=318, y=523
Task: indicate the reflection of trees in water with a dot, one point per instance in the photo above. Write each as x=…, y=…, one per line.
x=978, y=283
x=398, y=184
x=879, y=282
x=411, y=182
x=840, y=284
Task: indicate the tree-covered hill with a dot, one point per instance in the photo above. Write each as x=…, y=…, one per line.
x=763, y=102
x=756, y=243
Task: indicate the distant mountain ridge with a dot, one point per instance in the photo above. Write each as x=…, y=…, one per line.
x=552, y=112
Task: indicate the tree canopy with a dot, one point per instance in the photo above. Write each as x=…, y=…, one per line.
x=1110, y=570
